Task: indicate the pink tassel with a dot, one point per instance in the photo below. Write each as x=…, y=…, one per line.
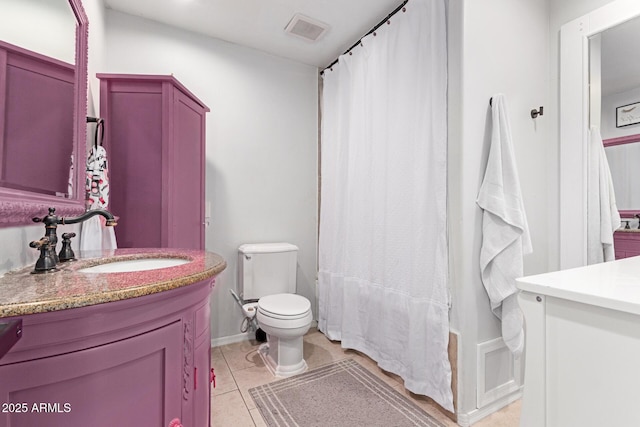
x=175, y=423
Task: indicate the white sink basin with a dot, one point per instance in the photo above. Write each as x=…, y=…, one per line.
x=134, y=265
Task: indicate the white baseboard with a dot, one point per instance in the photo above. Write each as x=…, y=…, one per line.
x=470, y=418
x=506, y=388
x=231, y=339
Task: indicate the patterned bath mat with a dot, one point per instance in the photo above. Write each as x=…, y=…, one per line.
x=340, y=394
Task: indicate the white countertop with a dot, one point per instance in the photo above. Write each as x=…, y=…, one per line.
x=614, y=285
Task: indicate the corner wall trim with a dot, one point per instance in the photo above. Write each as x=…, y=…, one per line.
x=470, y=418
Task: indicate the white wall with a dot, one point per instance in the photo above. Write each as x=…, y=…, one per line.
x=96, y=14
x=261, y=177
x=503, y=48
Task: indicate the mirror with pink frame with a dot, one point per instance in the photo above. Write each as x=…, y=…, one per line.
x=43, y=105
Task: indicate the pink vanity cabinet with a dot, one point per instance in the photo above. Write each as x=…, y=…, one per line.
x=155, y=141
x=626, y=243
x=137, y=362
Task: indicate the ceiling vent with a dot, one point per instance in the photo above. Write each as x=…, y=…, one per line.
x=306, y=28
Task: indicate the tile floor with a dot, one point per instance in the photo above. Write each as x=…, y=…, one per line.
x=238, y=368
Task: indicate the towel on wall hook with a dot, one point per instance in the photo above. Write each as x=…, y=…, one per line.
x=95, y=235
x=505, y=231
x=534, y=113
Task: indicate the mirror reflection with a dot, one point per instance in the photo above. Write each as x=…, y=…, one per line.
x=615, y=110
x=620, y=111
x=623, y=163
x=47, y=27
x=37, y=78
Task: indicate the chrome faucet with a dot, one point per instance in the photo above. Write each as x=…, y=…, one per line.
x=47, y=245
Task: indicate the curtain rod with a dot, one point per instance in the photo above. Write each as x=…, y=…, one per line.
x=378, y=25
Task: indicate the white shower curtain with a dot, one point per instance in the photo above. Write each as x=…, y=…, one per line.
x=383, y=247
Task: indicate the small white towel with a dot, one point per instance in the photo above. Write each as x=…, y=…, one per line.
x=603, y=217
x=505, y=232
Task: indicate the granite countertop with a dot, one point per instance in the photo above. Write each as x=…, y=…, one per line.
x=23, y=293
x=628, y=230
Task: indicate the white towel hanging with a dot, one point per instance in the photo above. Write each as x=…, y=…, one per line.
x=603, y=217
x=505, y=232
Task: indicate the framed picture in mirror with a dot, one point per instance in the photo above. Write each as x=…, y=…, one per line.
x=628, y=115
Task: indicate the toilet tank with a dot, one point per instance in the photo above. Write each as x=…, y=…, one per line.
x=266, y=269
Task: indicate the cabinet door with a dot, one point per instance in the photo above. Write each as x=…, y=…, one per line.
x=199, y=405
x=134, y=135
x=186, y=200
x=202, y=395
x=134, y=382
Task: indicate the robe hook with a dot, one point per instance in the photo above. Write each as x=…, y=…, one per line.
x=535, y=113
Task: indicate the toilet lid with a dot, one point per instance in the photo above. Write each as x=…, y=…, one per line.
x=284, y=305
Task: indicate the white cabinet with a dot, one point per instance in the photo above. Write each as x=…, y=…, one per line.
x=582, y=331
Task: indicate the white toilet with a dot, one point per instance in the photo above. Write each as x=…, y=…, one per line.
x=267, y=274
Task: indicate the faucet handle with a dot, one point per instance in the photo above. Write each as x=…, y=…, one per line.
x=66, y=253
x=39, y=244
x=49, y=219
x=45, y=263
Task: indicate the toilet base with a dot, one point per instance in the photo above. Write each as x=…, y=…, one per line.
x=283, y=359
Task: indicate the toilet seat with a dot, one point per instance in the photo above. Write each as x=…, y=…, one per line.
x=284, y=311
x=284, y=306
